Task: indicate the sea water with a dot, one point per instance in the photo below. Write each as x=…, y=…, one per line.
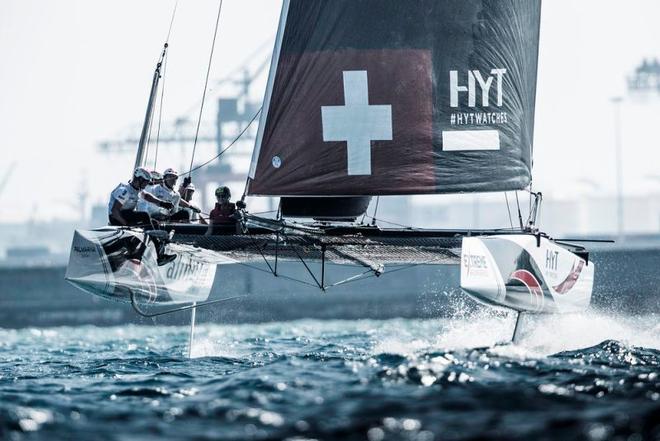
x=589, y=376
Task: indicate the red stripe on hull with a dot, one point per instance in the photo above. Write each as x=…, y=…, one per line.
x=529, y=280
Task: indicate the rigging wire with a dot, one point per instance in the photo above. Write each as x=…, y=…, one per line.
x=160, y=112
x=264, y=212
x=508, y=209
x=373, y=218
x=228, y=77
x=169, y=31
x=534, y=205
x=231, y=144
x=245, y=188
x=206, y=83
x=163, y=62
x=385, y=273
x=395, y=224
x=519, y=213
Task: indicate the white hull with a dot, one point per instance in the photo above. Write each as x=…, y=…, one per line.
x=525, y=273
x=103, y=262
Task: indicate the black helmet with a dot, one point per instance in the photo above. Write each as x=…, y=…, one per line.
x=223, y=192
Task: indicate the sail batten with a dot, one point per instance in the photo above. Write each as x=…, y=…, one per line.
x=388, y=97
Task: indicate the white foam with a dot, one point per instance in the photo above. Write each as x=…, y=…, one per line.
x=555, y=333
x=549, y=334
x=214, y=341
x=540, y=335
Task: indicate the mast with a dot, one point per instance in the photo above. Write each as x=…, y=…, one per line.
x=139, y=157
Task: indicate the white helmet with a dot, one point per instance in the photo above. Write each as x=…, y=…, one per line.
x=143, y=173
x=170, y=171
x=156, y=176
x=190, y=187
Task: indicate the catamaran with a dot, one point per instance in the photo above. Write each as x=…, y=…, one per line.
x=367, y=99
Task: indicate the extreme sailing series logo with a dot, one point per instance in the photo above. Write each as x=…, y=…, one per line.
x=487, y=89
x=475, y=264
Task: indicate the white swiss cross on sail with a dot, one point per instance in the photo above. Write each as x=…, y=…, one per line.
x=357, y=122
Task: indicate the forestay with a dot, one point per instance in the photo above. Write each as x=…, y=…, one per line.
x=378, y=97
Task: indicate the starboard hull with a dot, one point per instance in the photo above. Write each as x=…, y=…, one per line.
x=526, y=273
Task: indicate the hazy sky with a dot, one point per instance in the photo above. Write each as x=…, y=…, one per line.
x=74, y=73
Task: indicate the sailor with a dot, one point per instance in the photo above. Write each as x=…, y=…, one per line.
x=156, y=177
x=154, y=210
x=186, y=192
x=122, y=212
x=124, y=199
x=224, y=212
x=167, y=192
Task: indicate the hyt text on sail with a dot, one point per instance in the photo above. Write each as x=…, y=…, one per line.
x=476, y=81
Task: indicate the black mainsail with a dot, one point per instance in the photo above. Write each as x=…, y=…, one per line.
x=381, y=97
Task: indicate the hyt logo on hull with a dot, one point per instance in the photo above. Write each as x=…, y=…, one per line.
x=551, y=259
x=474, y=79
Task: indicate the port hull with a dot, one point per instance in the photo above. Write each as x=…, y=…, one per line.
x=117, y=263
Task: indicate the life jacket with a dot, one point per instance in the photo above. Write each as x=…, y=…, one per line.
x=126, y=195
x=221, y=214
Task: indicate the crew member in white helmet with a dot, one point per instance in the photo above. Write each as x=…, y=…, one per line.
x=186, y=192
x=156, y=177
x=154, y=210
x=124, y=199
x=166, y=191
x=121, y=211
